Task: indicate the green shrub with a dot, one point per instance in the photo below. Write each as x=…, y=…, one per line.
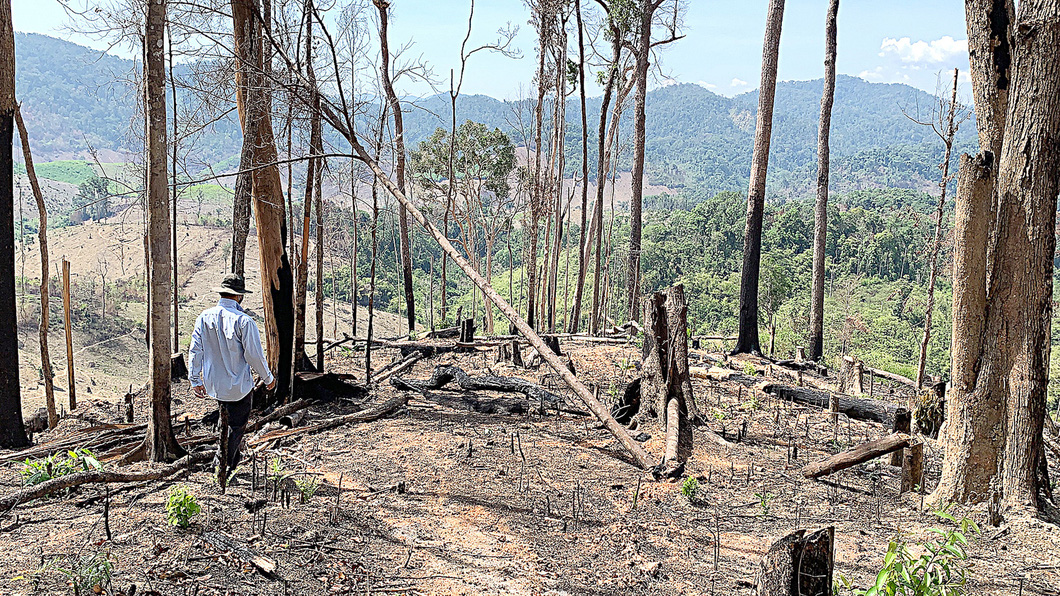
x=941, y=569
x=181, y=507
x=55, y=465
x=690, y=489
x=307, y=487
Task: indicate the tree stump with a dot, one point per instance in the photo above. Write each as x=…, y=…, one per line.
x=666, y=387
x=902, y=421
x=467, y=331
x=798, y=565
x=178, y=368
x=800, y=353
x=913, y=468
x=509, y=352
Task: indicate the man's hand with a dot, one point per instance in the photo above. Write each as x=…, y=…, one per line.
x=200, y=391
x=271, y=385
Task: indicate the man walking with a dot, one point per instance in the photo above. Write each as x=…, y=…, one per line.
x=225, y=348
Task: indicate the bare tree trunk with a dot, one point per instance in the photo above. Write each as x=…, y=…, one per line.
x=747, y=340
x=42, y=212
x=603, y=144
x=536, y=198
x=639, y=119
x=951, y=130
x=160, y=443
x=174, y=144
x=270, y=214
x=583, y=242
x=399, y=161
x=12, y=431
x=820, y=214
x=315, y=142
x=320, y=264
x=972, y=436
x=356, y=245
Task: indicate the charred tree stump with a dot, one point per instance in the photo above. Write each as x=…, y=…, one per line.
x=798, y=565
x=509, y=352
x=178, y=368
x=902, y=421
x=467, y=331
x=666, y=387
x=913, y=468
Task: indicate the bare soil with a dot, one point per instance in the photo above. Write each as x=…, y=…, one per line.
x=444, y=499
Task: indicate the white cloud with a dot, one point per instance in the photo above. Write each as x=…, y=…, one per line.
x=925, y=52
x=707, y=85
x=738, y=83
x=884, y=75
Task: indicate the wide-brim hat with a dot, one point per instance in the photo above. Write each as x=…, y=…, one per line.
x=232, y=284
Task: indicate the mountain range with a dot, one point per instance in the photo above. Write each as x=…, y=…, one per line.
x=698, y=143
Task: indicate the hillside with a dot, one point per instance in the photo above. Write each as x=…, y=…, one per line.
x=698, y=142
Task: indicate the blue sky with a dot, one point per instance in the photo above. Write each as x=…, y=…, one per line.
x=906, y=41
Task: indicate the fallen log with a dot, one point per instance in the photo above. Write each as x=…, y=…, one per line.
x=870, y=410
x=223, y=541
x=395, y=367
x=444, y=374
x=99, y=477
x=367, y=415
x=890, y=376
x=86, y=437
x=447, y=333
x=860, y=454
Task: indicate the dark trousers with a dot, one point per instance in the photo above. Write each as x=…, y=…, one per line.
x=238, y=414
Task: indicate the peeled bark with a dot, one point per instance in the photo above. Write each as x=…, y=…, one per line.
x=747, y=338
x=277, y=281
x=160, y=445
x=820, y=213
x=42, y=212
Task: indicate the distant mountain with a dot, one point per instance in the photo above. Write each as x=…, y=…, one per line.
x=698, y=142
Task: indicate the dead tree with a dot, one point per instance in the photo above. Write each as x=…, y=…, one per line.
x=42, y=211
x=798, y=565
x=666, y=387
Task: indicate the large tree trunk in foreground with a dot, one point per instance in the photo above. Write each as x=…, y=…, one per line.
x=45, y=276
x=399, y=162
x=747, y=340
x=160, y=443
x=820, y=213
x=12, y=431
x=1020, y=295
x=973, y=435
x=277, y=282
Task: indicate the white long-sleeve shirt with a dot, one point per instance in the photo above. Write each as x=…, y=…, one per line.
x=225, y=347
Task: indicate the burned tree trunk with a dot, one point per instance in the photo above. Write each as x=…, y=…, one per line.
x=798, y=565
x=666, y=385
x=277, y=281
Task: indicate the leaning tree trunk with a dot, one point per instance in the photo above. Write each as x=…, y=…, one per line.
x=277, y=282
x=747, y=339
x=399, y=161
x=160, y=443
x=951, y=130
x=820, y=213
x=12, y=431
x=666, y=388
x=42, y=211
x=972, y=437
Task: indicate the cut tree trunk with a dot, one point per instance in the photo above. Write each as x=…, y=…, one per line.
x=747, y=338
x=666, y=386
x=870, y=410
x=860, y=454
x=798, y=565
x=445, y=374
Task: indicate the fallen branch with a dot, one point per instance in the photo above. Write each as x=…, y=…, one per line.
x=367, y=415
x=99, y=477
x=870, y=410
x=223, y=541
x=445, y=374
x=861, y=453
x=87, y=437
x=396, y=368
